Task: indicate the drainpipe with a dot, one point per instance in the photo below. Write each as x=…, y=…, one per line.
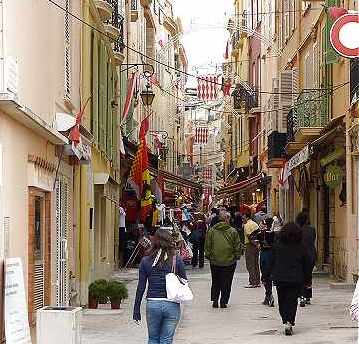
x=2, y=50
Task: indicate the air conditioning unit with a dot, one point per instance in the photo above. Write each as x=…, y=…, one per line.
x=59, y=325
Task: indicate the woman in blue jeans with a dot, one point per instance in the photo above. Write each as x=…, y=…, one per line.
x=162, y=315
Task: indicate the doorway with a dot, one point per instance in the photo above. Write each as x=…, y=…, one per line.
x=38, y=251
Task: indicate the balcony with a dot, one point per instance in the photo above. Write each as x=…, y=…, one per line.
x=245, y=97
x=276, y=149
x=104, y=9
x=309, y=115
x=134, y=10
x=115, y=30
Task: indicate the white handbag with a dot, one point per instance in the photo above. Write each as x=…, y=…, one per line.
x=354, y=307
x=177, y=288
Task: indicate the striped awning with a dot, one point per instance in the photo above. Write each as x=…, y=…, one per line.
x=238, y=187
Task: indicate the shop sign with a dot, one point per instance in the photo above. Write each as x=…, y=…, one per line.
x=333, y=176
x=298, y=159
x=16, y=317
x=334, y=155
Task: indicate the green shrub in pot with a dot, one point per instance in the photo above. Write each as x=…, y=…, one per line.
x=98, y=292
x=116, y=291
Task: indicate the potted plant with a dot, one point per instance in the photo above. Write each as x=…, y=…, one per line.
x=97, y=293
x=116, y=291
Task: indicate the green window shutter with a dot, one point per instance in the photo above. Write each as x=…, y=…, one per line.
x=95, y=82
x=115, y=129
x=330, y=55
x=101, y=95
x=109, y=111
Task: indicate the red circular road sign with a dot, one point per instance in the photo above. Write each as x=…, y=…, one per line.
x=344, y=35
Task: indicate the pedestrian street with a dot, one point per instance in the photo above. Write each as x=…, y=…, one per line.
x=246, y=320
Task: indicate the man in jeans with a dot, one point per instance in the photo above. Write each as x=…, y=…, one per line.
x=223, y=249
x=252, y=251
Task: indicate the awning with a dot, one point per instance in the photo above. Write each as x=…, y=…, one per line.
x=238, y=187
x=177, y=180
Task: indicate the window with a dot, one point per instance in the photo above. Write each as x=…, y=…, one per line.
x=67, y=42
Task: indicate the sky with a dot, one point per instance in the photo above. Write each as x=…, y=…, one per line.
x=205, y=36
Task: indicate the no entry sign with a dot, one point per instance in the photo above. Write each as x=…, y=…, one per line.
x=344, y=35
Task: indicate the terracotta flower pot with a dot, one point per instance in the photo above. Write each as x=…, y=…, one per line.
x=116, y=304
x=93, y=303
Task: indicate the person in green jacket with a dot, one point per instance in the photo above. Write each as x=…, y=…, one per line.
x=223, y=249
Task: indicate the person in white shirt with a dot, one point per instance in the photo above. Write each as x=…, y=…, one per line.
x=122, y=232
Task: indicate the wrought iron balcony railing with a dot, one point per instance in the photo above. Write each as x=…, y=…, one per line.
x=134, y=5
x=117, y=20
x=310, y=110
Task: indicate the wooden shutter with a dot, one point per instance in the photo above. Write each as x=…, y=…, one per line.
x=102, y=95
x=285, y=98
x=330, y=54
x=316, y=65
x=308, y=70
x=95, y=87
x=109, y=111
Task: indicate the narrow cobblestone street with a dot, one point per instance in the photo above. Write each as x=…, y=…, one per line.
x=246, y=321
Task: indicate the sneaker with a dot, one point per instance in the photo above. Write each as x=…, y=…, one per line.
x=266, y=301
x=302, y=302
x=271, y=301
x=288, y=329
x=250, y=286
x=223, y=305
x=215, y=304
x=308, y=302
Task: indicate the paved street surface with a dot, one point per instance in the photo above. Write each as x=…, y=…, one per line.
x=246, y=321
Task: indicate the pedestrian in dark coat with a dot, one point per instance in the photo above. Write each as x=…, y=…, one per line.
x=309, y=239
x=289, y=267
x=265, y=239
x=197, y=238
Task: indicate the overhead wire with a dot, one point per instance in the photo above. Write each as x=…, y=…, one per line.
x=152, y=58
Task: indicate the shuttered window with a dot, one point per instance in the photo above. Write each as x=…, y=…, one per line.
x=316, y=65
x=67, y=50
x=286, y=98
x=330, y=54
x=308, y=70
x=102, y=93
x=109, y=111
x=95, y=95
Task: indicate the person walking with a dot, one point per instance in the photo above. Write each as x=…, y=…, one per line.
x=223, y=249
x=309, y=239
x=197, y=239
x=162, y=315
x=266, y=238
x=289, y=266
x=252, y=251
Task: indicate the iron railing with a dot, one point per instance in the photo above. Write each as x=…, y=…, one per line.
x=118, y=21
x=134, y=5
x=311, y=109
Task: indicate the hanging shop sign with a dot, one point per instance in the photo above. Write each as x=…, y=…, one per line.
x=344, y=35
x=298, y=159
x=332, y=156
x=333, y=176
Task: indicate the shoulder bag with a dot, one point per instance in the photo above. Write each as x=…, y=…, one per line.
x=177, y=288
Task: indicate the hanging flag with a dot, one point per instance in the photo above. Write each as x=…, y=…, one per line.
x=139, y=170
x=226, y=53
x=227, y=88
x=130, y=91
x=75, y=135
x=201, y=136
